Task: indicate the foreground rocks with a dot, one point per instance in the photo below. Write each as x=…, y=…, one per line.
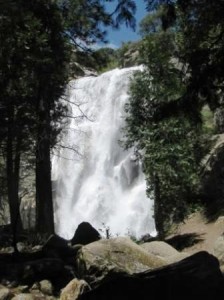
x=37, y=291
x=118, y=255
x=109, y=269
x=196, y=277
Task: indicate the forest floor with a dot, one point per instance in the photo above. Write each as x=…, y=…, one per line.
x=205, y=232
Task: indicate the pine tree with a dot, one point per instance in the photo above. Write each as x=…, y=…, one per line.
x=36, y=39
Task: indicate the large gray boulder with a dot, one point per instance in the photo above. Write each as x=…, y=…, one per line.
x=164, y=251
x=4, y=293
x=96, y=260
x=159, y=248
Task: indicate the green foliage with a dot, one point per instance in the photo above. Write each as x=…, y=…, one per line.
x=36, y=38
x=151, y=23
x=33, y=66
x=170, y=151
x=170, y=114
x=105, y=59
x=33, y=52
x=85, y=20
x=170, y=154
x=169, y=144
x=122, y=51
x=208, y=120
x=126, y=54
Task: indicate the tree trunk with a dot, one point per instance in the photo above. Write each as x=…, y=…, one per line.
x=13, y=168
x=158, y=209
x=44, y=202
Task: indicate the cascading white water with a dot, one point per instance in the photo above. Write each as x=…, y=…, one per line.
x=100, y=183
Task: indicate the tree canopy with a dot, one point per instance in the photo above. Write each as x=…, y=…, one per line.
x=181, y=50
x=36, y=41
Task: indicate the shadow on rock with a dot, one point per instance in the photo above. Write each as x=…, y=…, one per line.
x=182, y=241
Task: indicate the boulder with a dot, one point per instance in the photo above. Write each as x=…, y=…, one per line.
x=57, y=247
x=4, y=293
x=23, y=296
x=159, y=248
x=165, y=251
x=96, y=260
x=85, y=234
x=74, y=289
x=175, y=258
x=21, y=247
x=219, y=251
x=46, y=287
x=196, y=277
x=35, y=287
x=55, y=241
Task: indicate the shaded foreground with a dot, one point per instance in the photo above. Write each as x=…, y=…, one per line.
x=196, y=276
x=90, y=268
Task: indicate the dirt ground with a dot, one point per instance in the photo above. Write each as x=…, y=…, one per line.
x=207, y=232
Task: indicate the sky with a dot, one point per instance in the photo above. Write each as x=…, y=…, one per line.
x=125, y=34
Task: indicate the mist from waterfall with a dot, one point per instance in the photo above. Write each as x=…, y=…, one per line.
x=99, y=182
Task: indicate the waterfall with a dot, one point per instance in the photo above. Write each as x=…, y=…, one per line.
x=99, y=182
